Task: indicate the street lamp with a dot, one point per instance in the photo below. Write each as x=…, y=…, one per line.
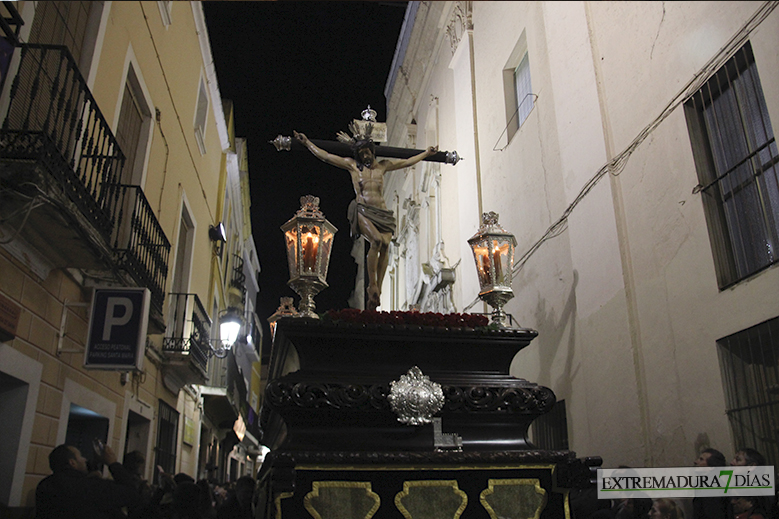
x=493, y=251
x=230, y=323
x=309, y=241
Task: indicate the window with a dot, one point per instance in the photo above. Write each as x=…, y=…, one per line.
x=165, y=12
x=61, y=23
x=523, y=89
x=133, y=129
x=736, y=158
x=550, y=431
x=128, y=132
x=750, y=376
x=167, y=432
x=73, y=24
x=517, y=91
x=201, y=114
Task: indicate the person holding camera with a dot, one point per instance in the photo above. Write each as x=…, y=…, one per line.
x=69, y=492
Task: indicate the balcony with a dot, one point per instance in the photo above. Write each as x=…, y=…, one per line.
x=61, y=178
x=237, y=290
x=139, y=243
x=187, y=346
x=223, y=392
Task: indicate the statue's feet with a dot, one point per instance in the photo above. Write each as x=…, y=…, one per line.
x=374, y=300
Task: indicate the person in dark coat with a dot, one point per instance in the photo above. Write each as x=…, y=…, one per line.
x=238, y=505
x=69, y=493
x=710, y=507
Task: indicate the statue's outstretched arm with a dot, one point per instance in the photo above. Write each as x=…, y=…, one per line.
x=334, y=160
x=404, y=163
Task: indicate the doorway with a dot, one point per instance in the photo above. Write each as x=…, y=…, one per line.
x=137, y=433
x=13, y=400
x=84, y=426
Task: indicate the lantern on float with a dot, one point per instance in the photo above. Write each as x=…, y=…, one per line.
x=309, y=241
x=493, y=251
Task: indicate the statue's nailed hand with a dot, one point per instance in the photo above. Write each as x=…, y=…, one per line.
x=300, y=137
x=432, y=150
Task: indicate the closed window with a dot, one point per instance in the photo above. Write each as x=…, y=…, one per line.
x=201, y=115
x=128, y=131
x=61, y=23
x=523, y=90
x=133, y=128
x=736, y=158
x=165, y=12
x=518, y=93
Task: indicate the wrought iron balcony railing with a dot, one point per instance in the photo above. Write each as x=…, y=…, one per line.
x=55, y=123
x=54, y=120
x=10, y=27
x=238, y=279
x=190, y=327
x=140, y=244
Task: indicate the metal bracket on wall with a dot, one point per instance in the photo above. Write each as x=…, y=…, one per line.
x=63, y=322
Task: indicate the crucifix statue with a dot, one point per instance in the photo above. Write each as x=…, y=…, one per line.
x=368, y=215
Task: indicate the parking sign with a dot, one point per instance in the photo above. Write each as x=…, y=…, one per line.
x=117, y=329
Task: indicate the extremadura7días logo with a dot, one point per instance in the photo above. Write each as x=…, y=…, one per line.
x=685, y=482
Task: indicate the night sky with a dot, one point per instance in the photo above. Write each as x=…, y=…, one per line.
x=310, y=67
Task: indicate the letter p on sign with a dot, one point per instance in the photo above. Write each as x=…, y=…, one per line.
x=112, y=317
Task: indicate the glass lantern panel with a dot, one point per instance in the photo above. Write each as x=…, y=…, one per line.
x=291, y=238
x=325, y=250
x=309, y=242
x=481, y=254
x=501, y=255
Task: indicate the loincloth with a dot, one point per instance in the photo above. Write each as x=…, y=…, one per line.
x=382, y=219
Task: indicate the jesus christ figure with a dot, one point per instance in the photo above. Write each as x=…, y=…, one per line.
x=368, y=215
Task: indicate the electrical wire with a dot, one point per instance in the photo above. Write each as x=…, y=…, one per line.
x=32, y=204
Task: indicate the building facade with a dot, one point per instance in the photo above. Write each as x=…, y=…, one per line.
x=119, y=168
x=629, y=148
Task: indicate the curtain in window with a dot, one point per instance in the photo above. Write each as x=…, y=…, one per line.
x=523, y=89
x=745, y=159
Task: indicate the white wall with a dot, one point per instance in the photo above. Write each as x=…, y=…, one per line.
x=625, y=299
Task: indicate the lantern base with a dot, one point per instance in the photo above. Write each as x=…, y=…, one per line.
x=496, y=299
x=307, y=289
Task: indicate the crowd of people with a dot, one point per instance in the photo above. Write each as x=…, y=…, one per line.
x=587, y=506
x=76, y=489
x=73, y=490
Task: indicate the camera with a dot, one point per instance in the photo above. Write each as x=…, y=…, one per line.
x=99, y=446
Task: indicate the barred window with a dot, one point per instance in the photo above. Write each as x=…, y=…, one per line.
x=736, y=158
x=167, y=435
x=750, y=375
x=550, y=431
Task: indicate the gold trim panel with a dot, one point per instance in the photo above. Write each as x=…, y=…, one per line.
x=283, y=495
x=409, y=485
x=316, y=486
x=496, y=483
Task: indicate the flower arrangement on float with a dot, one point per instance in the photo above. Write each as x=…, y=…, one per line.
x=453, y=320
